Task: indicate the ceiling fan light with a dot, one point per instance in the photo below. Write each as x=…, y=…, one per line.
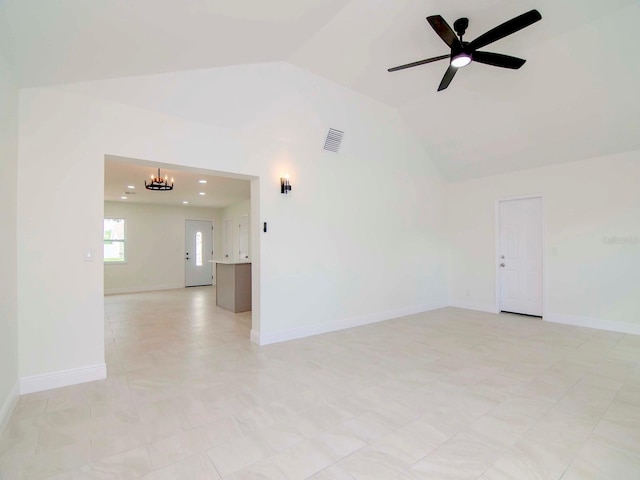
x=461, y=60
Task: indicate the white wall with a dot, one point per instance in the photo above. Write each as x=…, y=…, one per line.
x=590, y=280
x=8, y=246
x=361, y=239
x=155, y=245
x=234, y=212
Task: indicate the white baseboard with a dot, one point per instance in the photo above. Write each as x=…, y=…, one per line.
x=479, y=307
x=597, y=323
x=7, y=407
x=148, y=288
x=63, y=378
x=266, y=338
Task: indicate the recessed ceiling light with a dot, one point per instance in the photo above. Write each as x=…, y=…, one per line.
x=123, y=198
x=185, y=202
x=202, y=193
x=202, y=181
x=131, y=186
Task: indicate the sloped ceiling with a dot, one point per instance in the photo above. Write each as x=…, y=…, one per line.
x=574, y=98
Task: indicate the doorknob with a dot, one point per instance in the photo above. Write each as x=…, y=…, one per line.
x=502, y=265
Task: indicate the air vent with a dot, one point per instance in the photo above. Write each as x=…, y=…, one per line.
x=333, y=141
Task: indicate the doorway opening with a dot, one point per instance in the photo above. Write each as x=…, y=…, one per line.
x=158, y=241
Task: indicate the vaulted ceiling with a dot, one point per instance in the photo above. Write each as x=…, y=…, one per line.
x=576, y=97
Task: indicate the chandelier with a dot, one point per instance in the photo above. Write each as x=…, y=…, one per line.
x=159, y=183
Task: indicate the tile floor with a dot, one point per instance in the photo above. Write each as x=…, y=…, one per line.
x=450, y=394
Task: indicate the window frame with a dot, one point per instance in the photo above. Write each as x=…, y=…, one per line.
x=123, y=241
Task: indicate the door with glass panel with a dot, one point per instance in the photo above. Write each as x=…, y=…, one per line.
x=198, y=253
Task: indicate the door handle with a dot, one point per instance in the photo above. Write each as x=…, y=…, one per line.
x=502, y=264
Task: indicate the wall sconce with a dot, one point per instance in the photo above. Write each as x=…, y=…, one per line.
x=285, y=185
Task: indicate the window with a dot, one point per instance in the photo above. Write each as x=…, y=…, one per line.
x=199, y=249
x=114, y=240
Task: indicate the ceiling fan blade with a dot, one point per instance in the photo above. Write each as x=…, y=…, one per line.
x=443, y=29
x=448, y=76
x=507, y=28
x=498, y=60
x=420, y=62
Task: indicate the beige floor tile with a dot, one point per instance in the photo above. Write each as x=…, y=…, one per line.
x=467, y=455
x=622, y=412
x=532, y=460
x=368, y=427
x=338, y=441
x=280, y=437
x=123, y=466
x=445, y=394
x=223, y=431
x=233, y=456
x=65, y=418
x=406, y=475
x=16, y=452
x=108, y=446
x=262, y=470
x=563, y=428
x=175, y=448
x=403, y=446
x=596, y=462
x=197, y=467
x=334, y=472
x=621, y=436
x=606, y=459
x=53, y=462
x=629, y=393
x=439, y=424
x=304, y=459
x=29, y=406
x=369, y=464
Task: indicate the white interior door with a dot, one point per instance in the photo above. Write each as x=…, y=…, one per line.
x=243, y=238
x=520, y=256
x=228, y=239
x=198, y=253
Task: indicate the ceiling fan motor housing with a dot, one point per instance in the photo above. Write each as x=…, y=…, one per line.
x=458, y=48
x=460, y=26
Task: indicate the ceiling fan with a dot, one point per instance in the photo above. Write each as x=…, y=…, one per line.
x=463, y=53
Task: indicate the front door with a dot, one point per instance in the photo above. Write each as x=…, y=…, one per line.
x=520, y=256
x=198, y=253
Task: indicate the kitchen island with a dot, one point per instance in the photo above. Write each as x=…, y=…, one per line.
x=233, y=286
